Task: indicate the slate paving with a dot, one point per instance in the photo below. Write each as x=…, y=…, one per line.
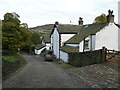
x=97, y=75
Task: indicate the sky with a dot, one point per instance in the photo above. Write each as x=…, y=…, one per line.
x=41, y=12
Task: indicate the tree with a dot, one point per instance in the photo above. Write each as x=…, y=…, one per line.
x=14, y=36
x=36, y=38
x=100, y=19
x=26, y=39
x=0, y=35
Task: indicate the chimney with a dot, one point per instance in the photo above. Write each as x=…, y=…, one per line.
x=80, y=22
x=56, y=24
x=110, y=16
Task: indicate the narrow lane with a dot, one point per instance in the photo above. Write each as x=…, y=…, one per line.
x=40, y=74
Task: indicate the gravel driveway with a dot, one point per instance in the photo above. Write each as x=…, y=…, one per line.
x=40, y=74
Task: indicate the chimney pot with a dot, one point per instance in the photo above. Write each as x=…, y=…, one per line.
x=56, y=24
x=80, y=22
x=110, y=16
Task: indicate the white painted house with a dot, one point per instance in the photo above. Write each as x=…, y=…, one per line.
x=119, y=12
x=46, y=42
x=60, y=34
x=93, y=37
x=39, y=48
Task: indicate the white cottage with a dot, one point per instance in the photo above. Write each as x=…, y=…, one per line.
x=60, y=34
x=119, y=12
x=94, y=37
x=39, y=48
x=46, y=42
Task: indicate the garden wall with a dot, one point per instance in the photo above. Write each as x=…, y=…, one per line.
x=87, y=58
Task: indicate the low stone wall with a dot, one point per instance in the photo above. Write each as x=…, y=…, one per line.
x=87, y=58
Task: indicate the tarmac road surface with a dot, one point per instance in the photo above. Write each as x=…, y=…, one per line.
x=40, y=74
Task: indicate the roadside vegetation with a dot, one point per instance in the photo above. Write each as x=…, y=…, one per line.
x=15, y=38
x=63, y=64
x=11, y=63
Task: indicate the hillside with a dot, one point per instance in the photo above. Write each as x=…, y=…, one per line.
x=43, y=30
x=43, y=27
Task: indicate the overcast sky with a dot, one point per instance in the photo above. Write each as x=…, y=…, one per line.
x=40, y=12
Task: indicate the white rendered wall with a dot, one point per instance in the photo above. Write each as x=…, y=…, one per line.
x=48, y=46
x=64, y=56
x=81, y=46
x=93, y=42
x=39, y=51
x=91, y=39
x=56, y=42
x=88, y=38
x=119, y=39
x=65, y=37
x=119, y=24
x=51, y=41
x=72, y=45
x=119, y=12
x=107, y=37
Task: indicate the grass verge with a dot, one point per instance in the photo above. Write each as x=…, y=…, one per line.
x=11, y=63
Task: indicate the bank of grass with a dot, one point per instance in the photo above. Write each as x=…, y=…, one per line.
x=11, y=58
x=63, y=64
x=11, y=63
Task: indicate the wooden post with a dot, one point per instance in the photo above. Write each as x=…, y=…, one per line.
x=104, y=53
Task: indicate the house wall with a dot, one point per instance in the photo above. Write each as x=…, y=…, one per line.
x=64, y=56
x=88, y=38
x=72, y=45
x=107, y=37
x=55, y=42
x=119, y=12
x=91, y=43
x=39, y=51
x=93, y=38
x=51, y=41
x=65, y=37
x=81, y=44
x=119, y=39
x=48, y=46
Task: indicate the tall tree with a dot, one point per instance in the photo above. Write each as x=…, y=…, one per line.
x=100, y=19
x=13, y=35
x=36, y=38
x=0, y=34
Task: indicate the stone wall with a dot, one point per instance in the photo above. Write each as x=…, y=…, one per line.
x=87, y=58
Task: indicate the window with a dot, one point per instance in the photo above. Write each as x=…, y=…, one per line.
x=86, y=44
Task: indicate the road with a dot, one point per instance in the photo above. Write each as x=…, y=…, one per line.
x=40, y=74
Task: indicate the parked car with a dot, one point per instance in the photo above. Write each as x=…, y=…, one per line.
x=48, y=57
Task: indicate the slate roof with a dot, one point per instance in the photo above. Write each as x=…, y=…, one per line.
x=86, y=31
x=68, y=29
x=40, y=46
x=47, y=38
x=117, y=25
x=69, y=49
